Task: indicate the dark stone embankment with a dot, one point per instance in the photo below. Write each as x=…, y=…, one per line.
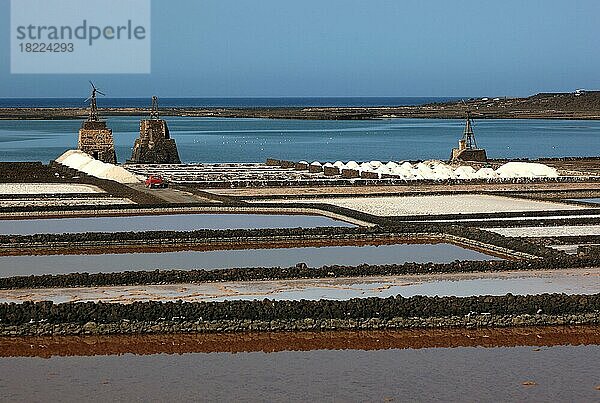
x=46, y=318
x=466, y=236
x=300, y=271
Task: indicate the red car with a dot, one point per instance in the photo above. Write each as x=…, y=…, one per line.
x=155, y=182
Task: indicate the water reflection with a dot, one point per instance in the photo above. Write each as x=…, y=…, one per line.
x=173, y=222
x=215, y=259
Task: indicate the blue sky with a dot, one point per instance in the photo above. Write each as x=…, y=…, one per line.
x=239, y=48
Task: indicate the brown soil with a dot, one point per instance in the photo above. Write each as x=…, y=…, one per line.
x=47, y=347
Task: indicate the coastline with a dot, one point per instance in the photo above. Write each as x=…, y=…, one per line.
x=329, y=113
x=585, y=106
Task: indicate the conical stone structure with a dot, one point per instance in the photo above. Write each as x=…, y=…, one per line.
x=154, y=146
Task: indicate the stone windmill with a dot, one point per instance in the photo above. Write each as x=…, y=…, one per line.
x=155, y=145
x=95, y=138
x=467, y=146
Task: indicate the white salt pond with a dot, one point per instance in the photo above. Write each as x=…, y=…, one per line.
x=47, y=188
x=539, y=217
x=440, y=204
x=64, y=201
x=175, y=222
x=284, y=257
x=542, y=232
x=570, y=249
x=582, y=281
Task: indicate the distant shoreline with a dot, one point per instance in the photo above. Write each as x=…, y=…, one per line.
x=584, y=106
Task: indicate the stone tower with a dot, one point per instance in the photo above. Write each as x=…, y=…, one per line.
x=95, y=138
x=467, y=146
x=154, y=146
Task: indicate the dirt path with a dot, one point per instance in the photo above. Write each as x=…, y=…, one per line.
x=171, y=195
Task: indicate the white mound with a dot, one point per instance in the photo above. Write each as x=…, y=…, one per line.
x=486, y=173
x=352, y=165
x=83, y=162
x=526, y=170
x=366, y=167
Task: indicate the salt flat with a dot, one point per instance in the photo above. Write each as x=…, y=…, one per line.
x=47, y=188
x=439, y=204
x=540, y=232
x=90, y=201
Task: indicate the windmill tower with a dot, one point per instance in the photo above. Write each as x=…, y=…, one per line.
x=467, y=146
x=95, y=138
x=155, y=145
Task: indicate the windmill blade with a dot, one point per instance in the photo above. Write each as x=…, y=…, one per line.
x=87, y=99
x=92, y=84
x=100, y=92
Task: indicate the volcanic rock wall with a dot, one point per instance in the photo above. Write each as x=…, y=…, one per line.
x=46, y=318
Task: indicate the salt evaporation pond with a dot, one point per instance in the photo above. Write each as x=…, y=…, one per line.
x=595, y=200
x=459, y=285
x=561, y=373
x=284, y=257
x=175, y=222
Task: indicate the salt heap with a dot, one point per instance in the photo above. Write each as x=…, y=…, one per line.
x=526, y=170
x=465, y=172
x=486, y=173
x=366, y=167
x=352, y=165
x=443, y=171
x=83, y=162
x=429, y=170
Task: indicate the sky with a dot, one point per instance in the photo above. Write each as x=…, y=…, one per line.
x=282, y=48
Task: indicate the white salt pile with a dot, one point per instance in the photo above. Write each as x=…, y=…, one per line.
x=438, y=170
x=83, y=162
x=526, y=170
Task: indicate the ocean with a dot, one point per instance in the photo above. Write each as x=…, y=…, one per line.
x=255, y=140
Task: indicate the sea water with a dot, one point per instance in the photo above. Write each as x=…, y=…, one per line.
x=255, y=140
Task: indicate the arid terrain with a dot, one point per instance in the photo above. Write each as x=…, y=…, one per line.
x=585, y=105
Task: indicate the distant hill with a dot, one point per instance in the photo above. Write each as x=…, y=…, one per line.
x=588, y=101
